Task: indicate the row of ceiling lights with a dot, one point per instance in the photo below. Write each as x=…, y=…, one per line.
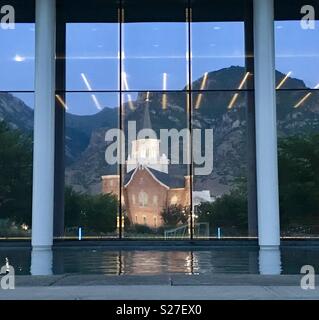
x=199, y=97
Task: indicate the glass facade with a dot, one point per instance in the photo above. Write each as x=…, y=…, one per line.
x=297, y=123
x=91, y=98
x=155, y=120
x=160, y=77
x=16, y=123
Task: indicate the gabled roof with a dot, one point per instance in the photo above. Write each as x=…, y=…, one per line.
x=128, y=177
x=162, y=178
x=168, y=179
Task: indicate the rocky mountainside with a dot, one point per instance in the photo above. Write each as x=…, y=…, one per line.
x=85, y=145
x=15, y=112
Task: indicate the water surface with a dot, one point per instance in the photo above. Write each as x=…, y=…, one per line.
x=236, y=260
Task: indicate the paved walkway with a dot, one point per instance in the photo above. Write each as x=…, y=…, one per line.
x=166, y=287
x=159, y=293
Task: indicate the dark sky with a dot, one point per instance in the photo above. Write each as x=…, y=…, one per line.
x=152, y=52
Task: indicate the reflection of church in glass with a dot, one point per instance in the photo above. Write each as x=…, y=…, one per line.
x=148, y=188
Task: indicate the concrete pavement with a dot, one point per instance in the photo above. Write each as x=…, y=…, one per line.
x=163, y=287
x=160, y=292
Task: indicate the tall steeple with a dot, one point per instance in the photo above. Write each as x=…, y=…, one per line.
x=147, y=119
x=146, y=151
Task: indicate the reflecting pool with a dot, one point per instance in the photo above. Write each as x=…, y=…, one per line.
x=236, y=260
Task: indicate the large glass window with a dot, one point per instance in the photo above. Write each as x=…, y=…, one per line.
x=90, y=100
x=155, y=62
x=16, y=122
x=297, y=65
x=157, y=174
x=222, y=109
x=180, y=66
x=161, y=72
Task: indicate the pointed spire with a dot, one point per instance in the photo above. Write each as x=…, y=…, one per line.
x=147, y=119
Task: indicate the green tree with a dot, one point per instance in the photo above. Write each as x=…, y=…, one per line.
x=298, y=190
x=228, y=211
x=73, y=205
x=174, y=215
x=15, y=175
x=95, y=213
x=299, y=181
x=100, y=212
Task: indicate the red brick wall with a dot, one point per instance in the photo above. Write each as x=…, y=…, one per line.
x=144, y=182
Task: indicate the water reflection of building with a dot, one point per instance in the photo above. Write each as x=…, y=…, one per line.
x=159, y=262
x=148, y=188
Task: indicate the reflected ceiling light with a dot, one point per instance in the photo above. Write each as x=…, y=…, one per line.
x=19, y=58
x=198, y=101
x=244, y=81
x=306, y=97
x=164, y=101
x=232, y=101
x=164, y=81
x=94, y=98
x=217, y=28
x=63, y=104
x=96, y=102
x=130, y=102
x=86, y=82
x=147, y=96
x=164, y=98
x=284, y=80
x=125, y=83
x=302, y=100
x=202, y=87
x=236, y=95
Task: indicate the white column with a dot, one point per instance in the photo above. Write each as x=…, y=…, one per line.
x=269, y=261
x=266, y=128
x=41, y=262
x=43, y=153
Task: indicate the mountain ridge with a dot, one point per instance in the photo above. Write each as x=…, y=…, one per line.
x=85, y=145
